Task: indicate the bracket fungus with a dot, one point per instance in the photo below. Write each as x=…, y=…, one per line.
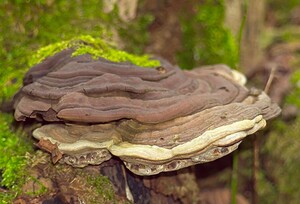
x=155, y=119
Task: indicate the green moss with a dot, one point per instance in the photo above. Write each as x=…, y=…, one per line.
x=96, y=47
x=6, y=198
x=293, y=97
x=13, y=147
x=282, y=164
x=99, y=48
x=280, y=152
x=205, y=39
x=29, y=25
x=281, y=169
x=102, y=187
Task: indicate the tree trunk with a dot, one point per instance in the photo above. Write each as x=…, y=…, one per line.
x=250, y=47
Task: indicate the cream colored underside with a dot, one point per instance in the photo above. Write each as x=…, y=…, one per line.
x=239, y=77
x=219, y=136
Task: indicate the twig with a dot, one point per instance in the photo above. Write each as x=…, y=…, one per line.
x=127, y=189
x=270, y=79
x=256, y=146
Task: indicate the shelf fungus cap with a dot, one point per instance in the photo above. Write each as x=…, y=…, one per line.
x=155, y=119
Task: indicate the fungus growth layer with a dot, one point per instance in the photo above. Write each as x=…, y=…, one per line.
x=155, y=120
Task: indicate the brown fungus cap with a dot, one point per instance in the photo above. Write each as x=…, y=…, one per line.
x=90, y=91
x=154, y=119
